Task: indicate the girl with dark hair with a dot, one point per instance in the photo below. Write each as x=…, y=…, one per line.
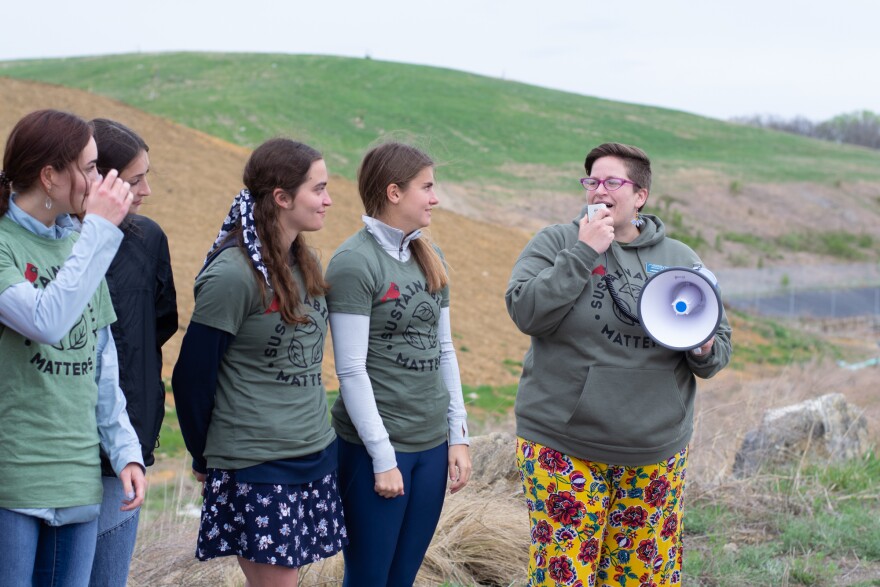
x=142, y=291
x=400, y=416
x=59, y=396
x=247, y=384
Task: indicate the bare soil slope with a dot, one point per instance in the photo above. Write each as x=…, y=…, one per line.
x=195, y=176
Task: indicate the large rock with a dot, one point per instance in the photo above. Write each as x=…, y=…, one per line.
x=494, y=459
x=817, y=430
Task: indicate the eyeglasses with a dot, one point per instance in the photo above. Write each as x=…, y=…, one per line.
x=611, y=184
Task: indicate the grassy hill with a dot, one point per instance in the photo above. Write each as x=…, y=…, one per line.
x=485, y=126
x=511, y=153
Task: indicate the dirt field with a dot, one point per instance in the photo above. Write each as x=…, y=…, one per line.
x=194, y=178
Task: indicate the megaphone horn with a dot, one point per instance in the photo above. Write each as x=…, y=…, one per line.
x=680, y=307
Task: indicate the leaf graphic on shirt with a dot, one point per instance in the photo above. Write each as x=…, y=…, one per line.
x=78, y=336
x=412, y=336
x=309, y=327
x=424, y=312
x=432, y=337
x=296, y=354
x=318, y=350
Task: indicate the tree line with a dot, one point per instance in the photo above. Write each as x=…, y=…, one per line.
x=856, y=128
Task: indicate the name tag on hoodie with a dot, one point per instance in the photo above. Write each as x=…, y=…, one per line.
x=652, y=268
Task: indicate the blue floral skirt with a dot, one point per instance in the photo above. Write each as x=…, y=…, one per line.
x=275, y=524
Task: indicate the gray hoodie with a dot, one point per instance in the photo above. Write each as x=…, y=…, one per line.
x=594, y=385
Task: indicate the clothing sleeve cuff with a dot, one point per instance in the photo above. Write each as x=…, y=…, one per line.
x=458, y=432
x=585, y=253
x=383, y=457
x=110, y=230
x=200, y=466
x=126, y=457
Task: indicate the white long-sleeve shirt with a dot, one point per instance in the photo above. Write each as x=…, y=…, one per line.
x=350, y=333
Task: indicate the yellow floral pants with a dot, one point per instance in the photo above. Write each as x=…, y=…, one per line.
x=597, y=525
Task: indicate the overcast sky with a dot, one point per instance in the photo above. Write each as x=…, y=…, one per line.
x=716, y=58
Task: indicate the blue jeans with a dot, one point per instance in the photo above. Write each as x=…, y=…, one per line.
x=117, y=531
x=35, y=554
x=388, y=538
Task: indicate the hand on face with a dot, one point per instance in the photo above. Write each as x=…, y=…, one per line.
x=109, y=198
x=599, y=233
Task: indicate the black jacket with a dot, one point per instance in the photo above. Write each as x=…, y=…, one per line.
x=142, y=289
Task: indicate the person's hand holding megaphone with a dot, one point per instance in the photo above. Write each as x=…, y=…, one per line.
x=597, y=233
x=702, y=351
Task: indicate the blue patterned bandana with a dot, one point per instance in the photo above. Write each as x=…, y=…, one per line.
x=242, y=210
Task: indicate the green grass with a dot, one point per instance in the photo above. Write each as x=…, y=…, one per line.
x=170, y=439
x=816, y=517
x=482, y=130
x=486, y=400
x=840, y=244
x=775, y=344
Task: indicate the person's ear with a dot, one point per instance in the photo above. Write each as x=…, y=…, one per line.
x=392, y=192
x=48, y=175
x=282, y=199
x=641, y=198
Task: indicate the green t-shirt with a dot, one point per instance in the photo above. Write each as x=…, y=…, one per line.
x=49, y=456
x=403, y=355
x=270, y=402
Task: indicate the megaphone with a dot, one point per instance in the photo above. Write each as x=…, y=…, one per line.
x=680, y=308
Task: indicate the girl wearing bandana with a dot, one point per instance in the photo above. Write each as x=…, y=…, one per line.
x=247, y=384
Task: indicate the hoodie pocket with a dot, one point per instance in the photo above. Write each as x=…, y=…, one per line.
x=633, y=408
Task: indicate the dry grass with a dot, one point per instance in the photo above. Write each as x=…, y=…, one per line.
x=482, y=538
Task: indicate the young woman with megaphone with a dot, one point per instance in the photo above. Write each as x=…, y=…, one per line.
x=604, y=411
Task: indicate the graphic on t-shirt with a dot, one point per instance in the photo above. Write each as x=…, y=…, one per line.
x=31, y=273
x=297, y=353
x=392, y=294
x=421, y=332
x=274, y=306
x=83, y=334
x=76, y=338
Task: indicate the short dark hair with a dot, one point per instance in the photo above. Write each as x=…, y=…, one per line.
x=638, y=166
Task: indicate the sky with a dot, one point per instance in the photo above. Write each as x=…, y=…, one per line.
x=718, y=59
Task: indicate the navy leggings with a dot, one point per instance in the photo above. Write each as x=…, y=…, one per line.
x=388, y=538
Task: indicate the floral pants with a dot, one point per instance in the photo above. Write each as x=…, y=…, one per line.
x=596, y=525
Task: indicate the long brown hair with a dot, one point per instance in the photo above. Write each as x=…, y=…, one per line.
x=41, y=138
x=398, y=163
x=282, y=163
